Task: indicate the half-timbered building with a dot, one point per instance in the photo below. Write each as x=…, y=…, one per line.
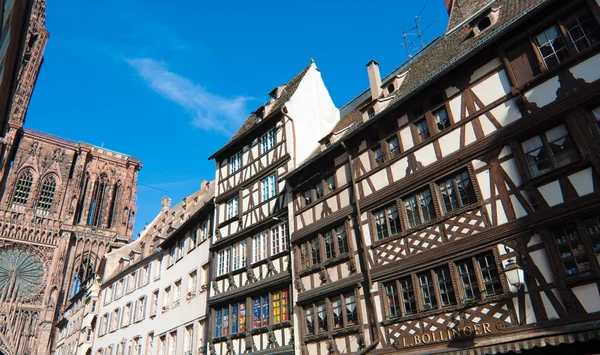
x=454, y=207
x=250, y=297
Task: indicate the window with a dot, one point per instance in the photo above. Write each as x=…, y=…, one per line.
x=232, y=208
x=335, y=242
x=150, y=344
x=268, y=140
x=441, y=119
x=393, y=146
x=157, y=269
x=200, y=336
x=235, y=161
x=261, y=311
x=259, y=243
x=378, y=155
x=307, y=197
x=136, y=346
x=330, y=183
x=188, y=340
x=223, y=261
x=575, y=248
x=126, y=315
x=191, y=284
x=387, y=221
x=371, y=113
x=422, y=129
x=281, y=303
x=551, y=46
x=154, y=305
x=166, y=299
x=583, y=30
x=390, y=88
x=457, y=191
x=141, y=309
x=23, y=188
x=172, y=343
x=318, y=190
x=269, y=187
x=180, y=248
x=47, y=193
x=549, y=150
x=341, y=307
x=596, y=113
x=419, y=208
x=477, y=277
x=239, y=255
x=279, y=239
x=162, y=345
x=176, y=293
x=172, y=255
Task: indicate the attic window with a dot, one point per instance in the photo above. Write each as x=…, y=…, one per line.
x=484, y=22
x=390, y=89
x=371, y=113
x=273, y=95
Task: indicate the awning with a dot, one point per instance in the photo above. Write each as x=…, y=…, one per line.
x=522, y=345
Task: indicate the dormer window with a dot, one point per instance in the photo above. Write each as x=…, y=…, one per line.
x=391, y=88
x=371, y=113
x=484, y=22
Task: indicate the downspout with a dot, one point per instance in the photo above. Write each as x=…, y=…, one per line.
x=293, y=133
x=373, y=328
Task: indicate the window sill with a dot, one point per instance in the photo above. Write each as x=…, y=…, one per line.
x=334, y=333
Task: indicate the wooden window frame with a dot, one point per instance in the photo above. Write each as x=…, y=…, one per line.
x=585, y=240
x=415, y=195
x=327, y=302
x=388, y=226
x=452, y=177
x=307, y=262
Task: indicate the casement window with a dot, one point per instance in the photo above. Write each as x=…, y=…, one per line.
x=551, y=46
x=232, y=208
x=188, y=340
x=166, y=299
x=176, y=293
x=261, y=311
x=140, y=312
x=239, y=255
x=150, y=344
x=259, y=246
x=475, y=277
x=269, y=187
x=154, y=305
x=162, y=345
x=223, y=261
x=202, y=231
x=334, y=241
x=158, y=269
x=180, y=248
x=136, y=346
x=279, y=240
x=200, y=337
x=172, y=255
x=268, y=140
x=172, y=343
x=549, y=151
x=281, y=302
x=387, y=221
x=116, y=315
x=307, y=195
x=578, y=245
x=457, y=191
x=378, y=155
x=341, y=307
x=393, y=146
x=329, y=183
x=238, y=317
x=442, y=121
x=126, y=315
x=104, y=324
x=47, y=193
x=235, y=162
x=419, y=208
x=320, y=188
x=422, y=129
x=23, y=188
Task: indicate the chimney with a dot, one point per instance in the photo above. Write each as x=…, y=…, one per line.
x=449, y=4
x=165, y=203
x=374, y=79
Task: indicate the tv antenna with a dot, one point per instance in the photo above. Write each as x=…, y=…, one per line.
x=413, y=37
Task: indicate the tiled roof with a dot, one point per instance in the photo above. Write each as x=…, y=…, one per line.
x=286, y=94
x=435, y=60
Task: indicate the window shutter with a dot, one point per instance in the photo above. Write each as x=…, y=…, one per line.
x=523, y=63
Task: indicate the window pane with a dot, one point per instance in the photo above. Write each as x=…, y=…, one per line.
x=408, y=296
x=310, y=321
x=378, y=154
x=329, y=248
x=489, y=275
x=427, y=291
x=315, y=246
x=393, y=146
x=392, y=298
x=422, y=129
x=465, y=189
x=265, y=310
x=592, y=227
x=342, y=239
x=583, y=30
x=445, y=285
x=561, y=146
x=551, y=47
x=338, y=318
x=393, y=219
x=571, y=250
x=441, y=119
x=351, y=312
x=330, y=182
x=449, y=196
x=412, y=212
x=468, y=279
x=322, y=315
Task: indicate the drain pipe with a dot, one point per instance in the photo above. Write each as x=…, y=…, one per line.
x=283, y=112
x=363, y=261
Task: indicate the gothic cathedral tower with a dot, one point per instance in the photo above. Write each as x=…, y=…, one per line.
x=63, y=204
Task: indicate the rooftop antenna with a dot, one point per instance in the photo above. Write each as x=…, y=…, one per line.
x=415, y=44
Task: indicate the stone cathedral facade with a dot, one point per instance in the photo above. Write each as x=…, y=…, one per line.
x=63, y=204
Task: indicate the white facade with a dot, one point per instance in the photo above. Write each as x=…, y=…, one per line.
x=153, y=298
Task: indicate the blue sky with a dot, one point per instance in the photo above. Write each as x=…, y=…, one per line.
x=169, y=82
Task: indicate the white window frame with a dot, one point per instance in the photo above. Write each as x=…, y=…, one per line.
x=268, y=140
x=232, y=208
x=259, y=246
x=235, y=161
x=239, y=255
x=269, y=187
x=223, y=261
x=279, y=239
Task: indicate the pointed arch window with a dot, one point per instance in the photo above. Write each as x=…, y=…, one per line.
x=95, y=212
x=23, y=188
x=83, y=189
x=113, y=205
x=47, y=193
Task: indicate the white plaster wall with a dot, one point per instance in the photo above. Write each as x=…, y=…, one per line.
x=588, y=296
x=492, y=88
x=486, y=68
x=588, y=69
x=450, y=142
x=583, y=182
x=313, y=112
x=552, y=193
x=544, y=93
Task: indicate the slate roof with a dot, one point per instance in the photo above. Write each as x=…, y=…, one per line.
x=270, y=110
x=436, y=59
